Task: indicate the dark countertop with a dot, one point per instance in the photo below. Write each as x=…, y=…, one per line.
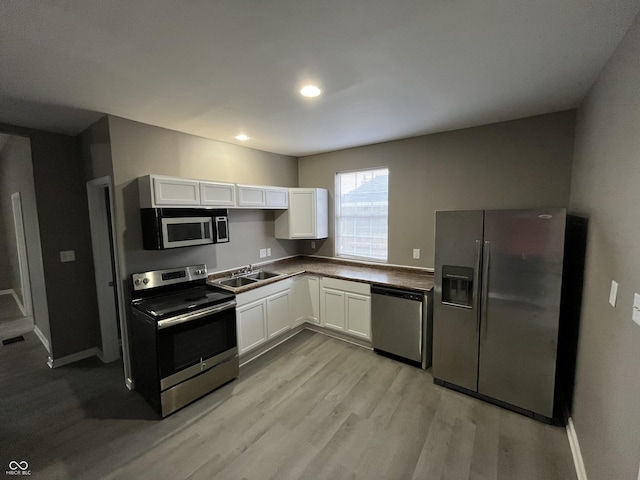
x=385, y=275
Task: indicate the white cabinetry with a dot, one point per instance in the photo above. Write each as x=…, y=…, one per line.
x=346, y=306
x=252, y=325
x=216, y=194
x=263, y=313
x=305, y=300
x=251, y=196
x=307, y=216
x=278, y=318
x=159, y=191
x=162, y=191
x=277, y=197
x=256, y=196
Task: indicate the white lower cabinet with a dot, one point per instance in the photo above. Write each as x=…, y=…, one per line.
x=267, y=312
x=305, y=300
x=346, y=306
x=252, y=325
x=278, y=320
x=358, y=314
x=262, y=314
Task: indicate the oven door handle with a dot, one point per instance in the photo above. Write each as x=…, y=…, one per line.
x=187, y=317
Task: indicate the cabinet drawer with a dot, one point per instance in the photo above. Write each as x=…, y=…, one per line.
x=346, y=286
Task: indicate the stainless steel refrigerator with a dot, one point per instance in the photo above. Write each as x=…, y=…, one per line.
x=497, y=306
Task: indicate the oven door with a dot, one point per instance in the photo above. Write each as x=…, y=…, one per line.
x=195, y=342
x=186, y=231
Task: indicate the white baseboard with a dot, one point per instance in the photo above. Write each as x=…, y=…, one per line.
x=6, y=292
x=42, y=338
x=575, y=450
x=74, y=357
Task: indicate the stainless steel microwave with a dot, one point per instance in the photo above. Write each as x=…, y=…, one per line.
x=164, y=228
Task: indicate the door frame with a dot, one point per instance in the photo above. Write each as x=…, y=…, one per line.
x=99, y=221
x=23, y=265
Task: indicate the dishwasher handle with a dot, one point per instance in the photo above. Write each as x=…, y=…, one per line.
x=397, y=292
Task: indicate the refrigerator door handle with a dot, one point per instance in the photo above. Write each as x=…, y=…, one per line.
x=476, y=283
x=485, y=290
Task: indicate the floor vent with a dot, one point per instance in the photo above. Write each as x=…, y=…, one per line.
x=9, y=341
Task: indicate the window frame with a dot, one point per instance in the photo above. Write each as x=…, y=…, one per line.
x=337, y=215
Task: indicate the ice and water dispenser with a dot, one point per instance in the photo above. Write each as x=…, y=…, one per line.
x=457, y=286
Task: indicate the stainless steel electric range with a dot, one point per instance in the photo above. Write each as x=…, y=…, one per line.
x=183, y=336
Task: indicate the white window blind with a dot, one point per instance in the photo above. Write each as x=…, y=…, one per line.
x=361, y=206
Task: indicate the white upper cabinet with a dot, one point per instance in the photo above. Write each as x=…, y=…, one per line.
x=251, y=196
x=256, y=196
x=164, y=191
x=160, y=191
x=216, y=194
x=277, y=197
x=307, y=216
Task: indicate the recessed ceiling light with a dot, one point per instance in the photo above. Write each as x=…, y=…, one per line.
x=310, y=91
x=242, y=137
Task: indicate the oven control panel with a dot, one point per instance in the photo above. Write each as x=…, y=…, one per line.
x=170, y=276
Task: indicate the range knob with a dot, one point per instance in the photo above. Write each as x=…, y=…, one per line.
x=145, y=281
x=137, y=281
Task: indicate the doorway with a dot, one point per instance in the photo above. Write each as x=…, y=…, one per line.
x=16, y=316
x=107, y=275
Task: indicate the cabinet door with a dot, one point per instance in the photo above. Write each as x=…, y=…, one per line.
x=252, y=325
x=358, y=313
x=277, y=197
x=333, y=309
x=176, y=191
x=302, y=213
x=251, y=196
x=278, y=319
x=305, y=300
x=217, y=194
x=313, y=284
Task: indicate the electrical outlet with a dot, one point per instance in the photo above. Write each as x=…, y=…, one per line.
x=313, y=244
x=635, y=316
x=268, y=252
x=68, y=256
x=416, y=253
x=613, y=293
x=263, y=252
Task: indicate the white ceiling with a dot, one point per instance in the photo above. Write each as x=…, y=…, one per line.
x=389, y=68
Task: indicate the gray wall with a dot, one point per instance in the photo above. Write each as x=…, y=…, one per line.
x=138, y=149
x=518, y=164
x=606, y=187
x=63, y=222
x=96, y=150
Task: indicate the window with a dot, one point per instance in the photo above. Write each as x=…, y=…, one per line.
x=362, y=200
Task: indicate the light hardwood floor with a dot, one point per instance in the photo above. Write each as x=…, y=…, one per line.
x=313, y=408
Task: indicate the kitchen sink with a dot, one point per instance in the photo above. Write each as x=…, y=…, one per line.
x=262, y=275
x=237, y=281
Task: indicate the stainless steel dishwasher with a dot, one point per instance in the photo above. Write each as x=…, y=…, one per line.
x=401, y=324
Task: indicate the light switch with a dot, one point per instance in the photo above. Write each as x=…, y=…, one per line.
x=268, y=252
x=263, y=252
x=636, y=308
x=613, y=293
x=68, y=256
x=416, y=253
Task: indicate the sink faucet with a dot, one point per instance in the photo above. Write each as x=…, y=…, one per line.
x=243, y=271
